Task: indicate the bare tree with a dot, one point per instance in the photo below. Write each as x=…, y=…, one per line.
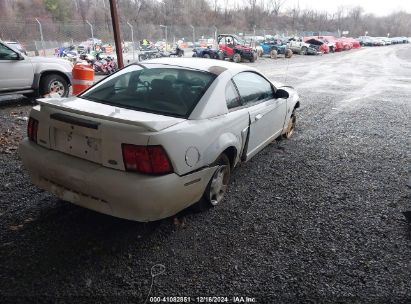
x=277, y=5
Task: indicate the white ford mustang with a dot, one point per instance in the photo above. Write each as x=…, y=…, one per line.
x=157, y=137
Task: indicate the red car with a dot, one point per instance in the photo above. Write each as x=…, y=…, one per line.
x=318, y=43
x=334, y=41
x=347, y=44
x=355, y=43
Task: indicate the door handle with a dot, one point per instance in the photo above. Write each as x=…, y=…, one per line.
x=258, y=116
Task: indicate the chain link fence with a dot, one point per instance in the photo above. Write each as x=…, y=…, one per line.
x=29, y=33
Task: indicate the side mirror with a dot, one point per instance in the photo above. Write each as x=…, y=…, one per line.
x=281, y=93
x=20, y=56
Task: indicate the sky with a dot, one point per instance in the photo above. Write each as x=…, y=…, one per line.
x=377, y=7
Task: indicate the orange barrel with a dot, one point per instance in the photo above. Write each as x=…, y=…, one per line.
x=83, y=78
x=109, y=49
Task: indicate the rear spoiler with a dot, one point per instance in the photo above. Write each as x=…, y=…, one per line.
x=150, y=125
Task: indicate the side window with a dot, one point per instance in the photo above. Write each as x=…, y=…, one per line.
x=6, y=53
x=231, y=96
x=253, y=88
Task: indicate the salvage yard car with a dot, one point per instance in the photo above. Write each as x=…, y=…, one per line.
x=156, y=137
x=33, y=76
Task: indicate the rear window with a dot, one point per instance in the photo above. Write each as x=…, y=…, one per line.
x=154, y=88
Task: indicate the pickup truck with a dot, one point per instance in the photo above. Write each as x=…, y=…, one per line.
x=298, y=46
x=33, y=76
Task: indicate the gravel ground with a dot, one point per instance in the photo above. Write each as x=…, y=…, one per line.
x=313, y=219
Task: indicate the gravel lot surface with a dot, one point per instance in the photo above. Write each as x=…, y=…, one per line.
x=316, y=218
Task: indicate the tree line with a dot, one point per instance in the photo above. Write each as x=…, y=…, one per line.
x=271, y=15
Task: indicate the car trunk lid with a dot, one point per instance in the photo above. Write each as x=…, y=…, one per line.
x=94, y=131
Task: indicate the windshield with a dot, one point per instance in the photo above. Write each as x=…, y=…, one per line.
x=153, y=88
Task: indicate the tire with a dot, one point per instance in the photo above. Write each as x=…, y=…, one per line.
x=273, y=54
x=206, y=56
x=303, y=51
x=195, y=55
x=55, y=83
x=237, y=58
x=217, y=186
x=288, y=54
x=220, y=55
x=290, y=126
x=255, y=57
x=260, y=53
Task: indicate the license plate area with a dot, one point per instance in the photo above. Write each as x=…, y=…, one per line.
x=78, y=145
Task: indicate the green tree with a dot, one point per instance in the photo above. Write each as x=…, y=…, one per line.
x=61, y=10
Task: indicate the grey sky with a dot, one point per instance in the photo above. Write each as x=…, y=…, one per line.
x=377, y=7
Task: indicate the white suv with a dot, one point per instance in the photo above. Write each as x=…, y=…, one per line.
x=33, y=76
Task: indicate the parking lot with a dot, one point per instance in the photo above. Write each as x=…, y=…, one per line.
x=316, y=218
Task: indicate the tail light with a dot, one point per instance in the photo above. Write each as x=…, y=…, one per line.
x=146, y=159
x=32, y=128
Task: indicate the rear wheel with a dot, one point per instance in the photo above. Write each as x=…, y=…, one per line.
x=260, y=53
x=220, y=56
x=237, y=58
x=290, y=126
x=303, y=51
x=217, y=186
x=288, y=54
x=54, y=83
x=206, y=56
x=273, y=54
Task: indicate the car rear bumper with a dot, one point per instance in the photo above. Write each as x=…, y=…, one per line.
x=121, y=194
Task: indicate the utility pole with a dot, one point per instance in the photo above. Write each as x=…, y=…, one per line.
x=194, y=34
x=116, y=30
x=215, y=37
x=165, y=28
x=91, y=28
x=132, y=38
x=41, y=37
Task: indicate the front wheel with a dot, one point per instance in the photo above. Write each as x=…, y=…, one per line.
x=206, y=56
x=237, y=58
x=54, y=83
x=273, y=54
x=288, y=54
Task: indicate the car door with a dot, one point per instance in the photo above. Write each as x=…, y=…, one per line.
x=266, y=113
x=18, y=73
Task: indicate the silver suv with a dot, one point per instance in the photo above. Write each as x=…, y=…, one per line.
x=33, y=76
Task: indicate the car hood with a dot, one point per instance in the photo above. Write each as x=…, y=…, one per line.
x=149, y=121
x=48, y=60
x=278, y=85
x=314, y=41
x=243, y=47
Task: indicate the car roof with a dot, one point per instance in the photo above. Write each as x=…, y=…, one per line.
x=206, y=65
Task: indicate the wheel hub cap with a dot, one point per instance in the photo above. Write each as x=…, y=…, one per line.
x=218, y=185
x=57, y=87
